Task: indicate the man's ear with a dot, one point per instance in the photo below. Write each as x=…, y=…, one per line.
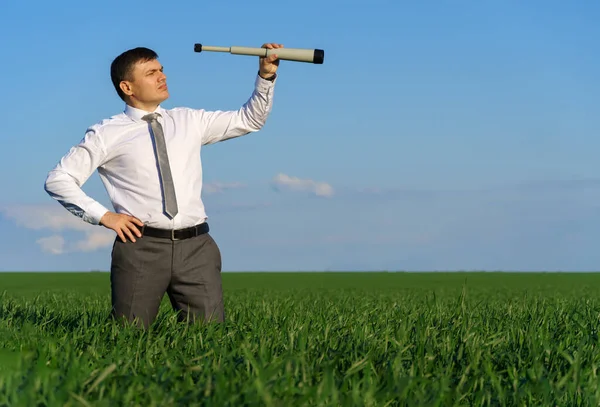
x=126, y=88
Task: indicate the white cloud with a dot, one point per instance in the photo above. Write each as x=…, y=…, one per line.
x=57, y=219
x=219, y=187
x=54, y=244
x=283, y=181
x=38, y=217
x=95, y=240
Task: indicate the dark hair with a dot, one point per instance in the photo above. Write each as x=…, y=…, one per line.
x=121, y=67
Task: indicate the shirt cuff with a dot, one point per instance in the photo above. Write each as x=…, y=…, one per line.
x=264, y=85
x=94, y=213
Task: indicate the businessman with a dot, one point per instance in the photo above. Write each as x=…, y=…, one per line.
x=148, y=159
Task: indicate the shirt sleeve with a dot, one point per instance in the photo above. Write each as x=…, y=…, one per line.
x=220, y=125
x=65, y=180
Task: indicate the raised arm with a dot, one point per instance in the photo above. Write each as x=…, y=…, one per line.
x=220, y=125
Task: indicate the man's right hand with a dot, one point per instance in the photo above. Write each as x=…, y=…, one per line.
x=123, y=225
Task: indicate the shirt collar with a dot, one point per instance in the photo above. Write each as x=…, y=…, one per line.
x=136, y=114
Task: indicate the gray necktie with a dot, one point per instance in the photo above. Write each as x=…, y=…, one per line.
x=160, y=148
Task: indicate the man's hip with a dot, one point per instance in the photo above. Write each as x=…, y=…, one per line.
x=186, y=264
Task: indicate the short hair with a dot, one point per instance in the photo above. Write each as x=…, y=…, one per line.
x=122, y=65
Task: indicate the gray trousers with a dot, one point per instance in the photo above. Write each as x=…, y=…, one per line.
x=188, y=271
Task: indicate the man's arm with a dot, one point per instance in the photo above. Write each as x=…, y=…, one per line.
x=65, y=180
x=220, y=125
x=64, y=183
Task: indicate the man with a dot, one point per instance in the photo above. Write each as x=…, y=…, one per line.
x=148, y=159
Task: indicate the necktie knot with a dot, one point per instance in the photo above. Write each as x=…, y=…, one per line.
x=150, y=117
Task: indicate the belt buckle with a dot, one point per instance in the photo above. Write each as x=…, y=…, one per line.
x=173, y=235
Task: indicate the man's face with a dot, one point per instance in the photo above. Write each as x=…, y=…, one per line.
x=148, y=85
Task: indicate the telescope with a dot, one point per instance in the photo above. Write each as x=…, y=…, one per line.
x=314, y=56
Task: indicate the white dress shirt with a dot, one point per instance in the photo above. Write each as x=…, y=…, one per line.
x=121, y=149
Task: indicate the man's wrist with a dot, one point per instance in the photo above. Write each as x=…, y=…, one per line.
x=94, y=213
x=267, y=77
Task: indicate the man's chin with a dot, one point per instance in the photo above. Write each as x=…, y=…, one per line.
x=164, y=96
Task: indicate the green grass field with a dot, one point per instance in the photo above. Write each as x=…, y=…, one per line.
x=368, y=339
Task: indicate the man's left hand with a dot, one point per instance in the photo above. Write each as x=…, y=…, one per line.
x=268, y=66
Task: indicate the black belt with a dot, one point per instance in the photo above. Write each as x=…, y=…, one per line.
x=176, y=234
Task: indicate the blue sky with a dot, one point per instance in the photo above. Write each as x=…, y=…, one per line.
x=446, y=135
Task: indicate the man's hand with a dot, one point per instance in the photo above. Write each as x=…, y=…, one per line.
x=268, y=66
x=122, y=225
